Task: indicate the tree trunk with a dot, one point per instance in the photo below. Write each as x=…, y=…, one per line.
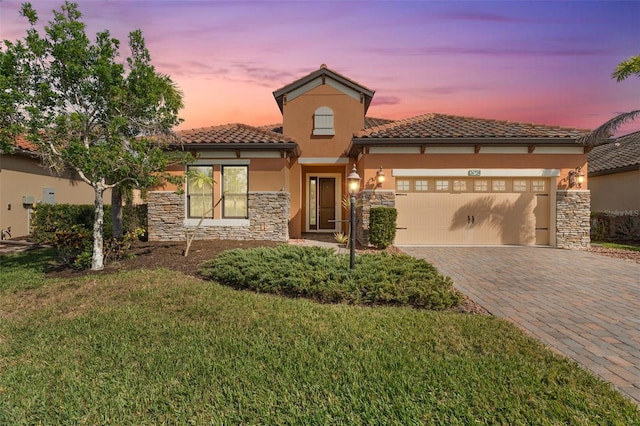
x=116, y=212
x=97, y=260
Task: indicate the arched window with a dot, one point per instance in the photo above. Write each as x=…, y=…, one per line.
x=323, y=121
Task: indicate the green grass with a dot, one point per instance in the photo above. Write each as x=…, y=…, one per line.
x=621, y=246
x=153, y=347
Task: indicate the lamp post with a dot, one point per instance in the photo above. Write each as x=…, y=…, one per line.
x=353, y=183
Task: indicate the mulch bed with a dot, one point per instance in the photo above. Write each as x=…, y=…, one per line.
x=154, y=254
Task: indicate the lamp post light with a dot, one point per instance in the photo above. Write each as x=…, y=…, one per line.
x=353, y=183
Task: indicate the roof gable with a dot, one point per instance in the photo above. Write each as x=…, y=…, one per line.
x=621, y=155
x=319, y=77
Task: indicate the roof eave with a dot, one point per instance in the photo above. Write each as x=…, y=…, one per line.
x=357, y=142
x=631, y=168
x=286, y=146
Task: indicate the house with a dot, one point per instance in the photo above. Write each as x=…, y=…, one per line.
x=614, y=175
x=24, y=183
x=453, y=180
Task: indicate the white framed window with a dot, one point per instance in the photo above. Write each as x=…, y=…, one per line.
x=538, y=185
x=499, y=185
x=323, y=121
x=199, y=191
x=421, y=185
x=204, y=194
x=235, y=188
x=520, y=185
x=403, y=185
x=442, y=185
x=481, y=185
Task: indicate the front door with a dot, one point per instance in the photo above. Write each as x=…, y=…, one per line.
x=322, y=204
x=326, y=203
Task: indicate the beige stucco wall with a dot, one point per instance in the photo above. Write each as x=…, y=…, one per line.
x=369, y=164
x=615, y=192
x=23, y=176
x=298, y=116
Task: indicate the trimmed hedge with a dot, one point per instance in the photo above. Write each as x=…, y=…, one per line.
x=382, y=226
x=318, y=273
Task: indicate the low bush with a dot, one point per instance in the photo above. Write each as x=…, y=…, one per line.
x=320, y=274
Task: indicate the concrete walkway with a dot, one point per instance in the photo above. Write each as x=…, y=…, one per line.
x=583, y=305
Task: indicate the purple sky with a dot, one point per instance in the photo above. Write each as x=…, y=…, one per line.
x=546, y=62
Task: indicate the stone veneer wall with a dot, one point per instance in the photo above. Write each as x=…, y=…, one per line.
x=573, y=219
x=366, y=200
x=268, y=219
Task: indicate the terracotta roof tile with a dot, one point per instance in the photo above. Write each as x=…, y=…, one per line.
x=368, y=122
x=25, y=145
x=452, y=126
x=235, y=133
x=623, y=153
x=374, y=122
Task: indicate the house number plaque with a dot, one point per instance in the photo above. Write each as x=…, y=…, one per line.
x=474, y=172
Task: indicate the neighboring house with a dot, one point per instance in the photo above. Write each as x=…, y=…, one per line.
x=453, y=180
x=614, y=175
x=24, y=183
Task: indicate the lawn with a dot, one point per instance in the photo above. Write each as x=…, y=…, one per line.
x=157, y=346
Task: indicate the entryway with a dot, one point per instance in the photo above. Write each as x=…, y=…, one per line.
x=323, y=203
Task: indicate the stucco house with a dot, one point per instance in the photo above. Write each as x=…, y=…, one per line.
x=24, y=183
x=453, y=180
x=614, y=175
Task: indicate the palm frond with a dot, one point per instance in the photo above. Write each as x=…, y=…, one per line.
x=608, y=129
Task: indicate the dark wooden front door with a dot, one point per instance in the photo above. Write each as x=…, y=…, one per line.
x=326, y=203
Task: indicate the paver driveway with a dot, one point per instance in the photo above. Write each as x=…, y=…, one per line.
x=584, y=305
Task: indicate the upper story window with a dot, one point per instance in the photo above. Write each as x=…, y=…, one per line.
x=323, y=121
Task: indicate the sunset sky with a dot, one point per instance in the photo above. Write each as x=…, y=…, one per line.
x=545, y=62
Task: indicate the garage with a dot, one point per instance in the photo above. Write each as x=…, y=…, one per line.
x=477, y=210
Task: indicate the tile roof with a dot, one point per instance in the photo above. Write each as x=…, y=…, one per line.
x=624, y=153
x=368, y=122
x=236, y=134
x=21, y=144
x=452, y=126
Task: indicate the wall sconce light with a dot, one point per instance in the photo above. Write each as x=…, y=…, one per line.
x=576, y=177
x=379, y=177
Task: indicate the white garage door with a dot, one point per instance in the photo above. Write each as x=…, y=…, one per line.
x=474, y=211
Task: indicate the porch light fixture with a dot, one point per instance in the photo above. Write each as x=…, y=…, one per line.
x=379, y=177
x=353, y=183
x=576, y=177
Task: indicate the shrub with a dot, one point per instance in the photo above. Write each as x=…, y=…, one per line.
x=320, y=274
x=382, y=226
x=72, y=246
x=69, y=229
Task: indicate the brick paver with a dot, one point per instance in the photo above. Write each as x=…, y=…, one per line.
x=584, y=305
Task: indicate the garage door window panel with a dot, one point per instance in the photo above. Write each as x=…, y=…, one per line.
x=499, y=185
x=520, y=185
x=481, y=185
x=538, y=185
x=460, y=185
x=442, y=185
x=403, y=185
x=421, y=185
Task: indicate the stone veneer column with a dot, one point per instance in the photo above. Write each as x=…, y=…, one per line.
x=573, y=219
x=366, y=200
x=268, y=219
